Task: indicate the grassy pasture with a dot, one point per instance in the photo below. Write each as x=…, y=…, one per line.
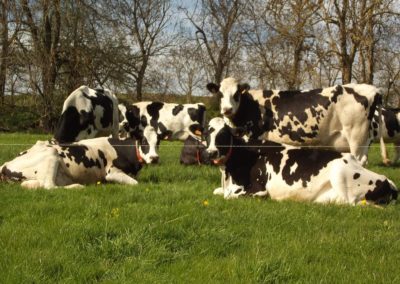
x=171, y=229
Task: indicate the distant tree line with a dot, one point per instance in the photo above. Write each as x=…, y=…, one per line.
x=136, y=47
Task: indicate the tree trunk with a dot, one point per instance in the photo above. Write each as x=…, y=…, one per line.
x=4, y=49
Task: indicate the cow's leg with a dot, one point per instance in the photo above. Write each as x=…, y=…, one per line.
x=384, y=153
x=74, y=185
x=396, y=145
x=233, y=190
x=221, y=190
x=358, y=143
x=31, y=184
x=120, y=177
x=51, y=165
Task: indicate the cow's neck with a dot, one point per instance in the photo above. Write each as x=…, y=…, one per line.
x=240, y=161
x=248, y=115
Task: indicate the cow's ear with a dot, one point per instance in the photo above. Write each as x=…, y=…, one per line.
x=213, y=88
x=243, y=87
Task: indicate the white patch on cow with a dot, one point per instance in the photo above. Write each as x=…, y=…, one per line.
x=150, y=135
x=228, y=88
x=293, y=168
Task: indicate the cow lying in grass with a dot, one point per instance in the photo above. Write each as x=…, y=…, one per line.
x=194, y=152
x=265, y=168
x=49, y=165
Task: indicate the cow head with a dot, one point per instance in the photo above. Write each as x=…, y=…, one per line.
x=149, y=142
x=230, y=91
x=219, y=137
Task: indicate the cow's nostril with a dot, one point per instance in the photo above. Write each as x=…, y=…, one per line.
x=154, y=159
x=227, y=111
x=212, y=154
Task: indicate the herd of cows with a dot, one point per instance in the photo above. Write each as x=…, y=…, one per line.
x=302, y=145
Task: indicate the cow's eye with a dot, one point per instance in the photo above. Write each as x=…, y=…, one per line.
x=236, y=96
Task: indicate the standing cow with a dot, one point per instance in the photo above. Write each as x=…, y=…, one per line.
x=338, y=117
x=88, y=113
x=171, y=121
x=390, y=125
x=265, y=168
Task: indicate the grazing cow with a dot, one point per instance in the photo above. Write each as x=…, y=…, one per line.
x=88, y=113
x=338, y=117
x=390, y=121
x=171, y=121
x=49, y=165
x=194, y=152
x=265, y=168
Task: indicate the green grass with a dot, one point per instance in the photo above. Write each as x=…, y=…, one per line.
x=161, y=231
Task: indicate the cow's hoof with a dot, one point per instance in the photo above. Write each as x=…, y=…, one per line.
x=387, y=162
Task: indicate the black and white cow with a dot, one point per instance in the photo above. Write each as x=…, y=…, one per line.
x=171, y=121
x=194, y=152
x=338, y=117
x=390, y=121
x=265, y=168
x=49, y=165
x=88, y=113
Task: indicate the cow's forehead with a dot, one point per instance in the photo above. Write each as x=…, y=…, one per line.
x=228, y=86
x=216, y=123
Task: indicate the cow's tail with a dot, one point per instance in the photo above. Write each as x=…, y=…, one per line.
x=383, y=149
x=116, y=116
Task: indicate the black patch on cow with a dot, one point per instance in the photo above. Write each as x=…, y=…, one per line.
x=70, y=124
x=177, y=109
x=153, y=110
x=271, y=151
x=106, y=103
x=89, y=131
x=309, y=163
x=8, y=174
x=127, y=160
x=345, y=161
x=382, y=193
x=296, y=102
x=78, y=154
x=360, y=99
x=197, y=114
x=294, y=105
x=370, y=182
x=356, y=176
x=143, y=121
x=336, y=93
x=67, y=165
x=267, y=93
x=391, y=122
x=374, y=106
x=132, y=115
x=248, y=115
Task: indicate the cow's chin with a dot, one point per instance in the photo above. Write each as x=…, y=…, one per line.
x=219, y=161
x=229, y=114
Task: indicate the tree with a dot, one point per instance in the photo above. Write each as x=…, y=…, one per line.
x=145, y=26
x=7, y=10
x=44, y=30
